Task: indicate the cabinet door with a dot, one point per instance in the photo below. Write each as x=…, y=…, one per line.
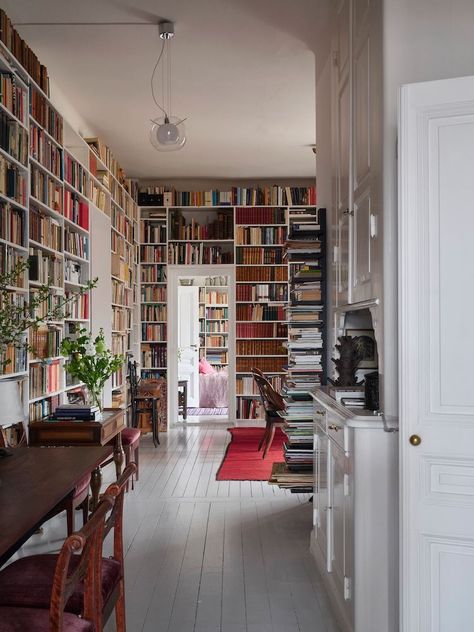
x=343, y=132
x=338, y=472
x=366, y=164
x=323, y=514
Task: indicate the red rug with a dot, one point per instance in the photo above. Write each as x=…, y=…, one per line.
x=243, y=462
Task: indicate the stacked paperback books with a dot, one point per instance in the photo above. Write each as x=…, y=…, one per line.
x=77, y=412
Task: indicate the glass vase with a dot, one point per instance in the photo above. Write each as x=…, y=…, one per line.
x=93, y=397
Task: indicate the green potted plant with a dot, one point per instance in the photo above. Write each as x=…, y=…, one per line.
x=21, y=313
x=91, y=362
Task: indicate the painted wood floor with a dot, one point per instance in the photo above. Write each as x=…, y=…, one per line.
x=207, y=556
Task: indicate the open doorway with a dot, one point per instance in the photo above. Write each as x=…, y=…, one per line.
x=201, y=343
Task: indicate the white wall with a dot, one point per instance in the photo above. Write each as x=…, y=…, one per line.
x=422, y=40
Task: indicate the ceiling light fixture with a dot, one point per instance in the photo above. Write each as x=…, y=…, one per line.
x=168, y=132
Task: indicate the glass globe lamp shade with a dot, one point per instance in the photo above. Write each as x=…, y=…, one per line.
x=168, y=134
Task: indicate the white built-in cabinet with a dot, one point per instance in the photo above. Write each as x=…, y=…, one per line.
x=357, y=97
x=354, y=487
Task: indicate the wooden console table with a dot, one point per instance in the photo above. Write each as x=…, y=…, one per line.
x=84, y=433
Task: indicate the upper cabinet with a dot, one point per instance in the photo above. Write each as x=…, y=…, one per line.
x=357, y=144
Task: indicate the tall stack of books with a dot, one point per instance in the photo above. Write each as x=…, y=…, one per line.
x=305, y=314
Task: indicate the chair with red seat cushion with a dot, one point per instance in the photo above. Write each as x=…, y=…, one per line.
x=28, y=581
x=131, y=446
x=79, y=499
x=74, y=568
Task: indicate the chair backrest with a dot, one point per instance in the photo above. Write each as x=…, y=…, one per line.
x=133, y=377
x=271, y=400
x=85, y=545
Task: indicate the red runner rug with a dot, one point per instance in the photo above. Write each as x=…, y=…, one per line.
x=243, y=462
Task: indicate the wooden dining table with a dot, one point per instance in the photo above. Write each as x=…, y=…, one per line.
x=33, y=481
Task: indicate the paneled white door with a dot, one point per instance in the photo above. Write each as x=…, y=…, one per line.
x=436, y=346
x=188, y=340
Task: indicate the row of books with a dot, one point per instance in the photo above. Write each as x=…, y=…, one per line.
x=13, y=138
x=153, y=356
x=152, y=232
x=45, y=307
x=104, y=153
x=259, y=256
x=45, y=189
x=13, y=181
x=13, y=360
x=14, y=97
x=46, y=116
x=121, y=319
x=219, y=313
x=76, y=210
x=261, y=330
x=255, y=236
x=262, y=274
x=9, y=259
x=216, y=297
x=260, y=215
x=44, y=342
x=121, y=247
x=76, y=243
x=260, y=347
x=121, y=270
x=153, y=313
x=45, y=151
x=217, y=357
x=121, y=295
x=45, y=378
x=152, y=274
x=77, y=307
x=75, y=174
x=45, y=268
x=215, y=326
x=237, y=196
x=262, y=292
x=153, y=254
x=23, y=53
x=153, y=294
x=245, y=385
x=97, y=196
x=260, y=312
x=197, y=254
x=12, y=224
x=118, y=378
x=121, y=223
x=45, y=230
x=43, y=408
x=267, y=365
x=74, y=272
x=216, y=341
x=153, y=332
x=222, y=227
x=249, y=408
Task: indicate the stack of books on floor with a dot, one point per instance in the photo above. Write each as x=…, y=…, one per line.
x=76, y=412
x=296, y=473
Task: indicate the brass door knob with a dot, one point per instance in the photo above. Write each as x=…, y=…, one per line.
x=415, y=440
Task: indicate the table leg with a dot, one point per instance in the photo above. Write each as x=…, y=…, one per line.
x=118, y=455
x=185, y=401
x=96, y=484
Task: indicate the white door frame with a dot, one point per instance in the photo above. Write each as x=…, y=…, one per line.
x=173, y=275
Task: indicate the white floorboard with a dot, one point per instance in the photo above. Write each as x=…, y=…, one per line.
x=209, y=556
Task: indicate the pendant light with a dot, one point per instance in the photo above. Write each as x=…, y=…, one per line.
x=168, y=132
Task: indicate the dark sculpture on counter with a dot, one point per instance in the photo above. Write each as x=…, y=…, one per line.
x=350, y=354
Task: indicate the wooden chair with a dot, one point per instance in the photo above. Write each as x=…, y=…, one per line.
x=78, y=499
x=32, y=577
x=272, y=403
x=143, y=403
x=74, y=569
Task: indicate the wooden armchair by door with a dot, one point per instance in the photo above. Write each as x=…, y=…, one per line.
x=272, y=403
x=143, y=402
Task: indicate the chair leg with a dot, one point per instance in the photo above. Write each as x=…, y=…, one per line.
x=120, y=622
x=70, y=517
x=85, y=509
x=265, y=435
x=137, y=461
x=127, y=451
x=269, y=441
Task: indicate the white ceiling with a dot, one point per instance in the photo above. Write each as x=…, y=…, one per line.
x=243, y=72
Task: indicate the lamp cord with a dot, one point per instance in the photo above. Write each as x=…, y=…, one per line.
x=153, y=77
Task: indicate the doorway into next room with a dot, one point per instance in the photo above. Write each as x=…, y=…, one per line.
x=203, y=345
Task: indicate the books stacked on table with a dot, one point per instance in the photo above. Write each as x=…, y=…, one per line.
x=77, y=412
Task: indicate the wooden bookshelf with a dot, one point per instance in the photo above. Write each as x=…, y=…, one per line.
x=214, y=322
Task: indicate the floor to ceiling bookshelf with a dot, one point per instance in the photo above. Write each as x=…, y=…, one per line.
x=256, y=248
x=49, y=188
